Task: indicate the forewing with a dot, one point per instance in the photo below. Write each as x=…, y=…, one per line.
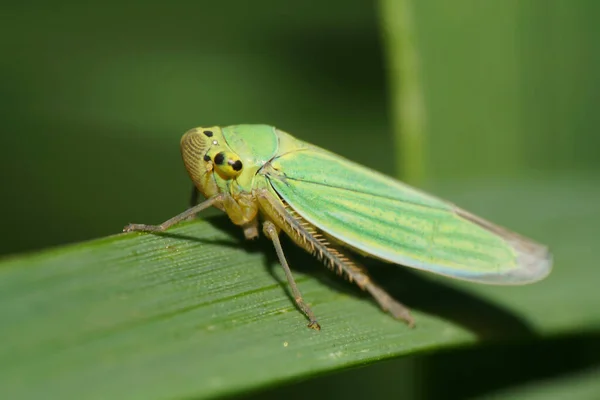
x=392, y=221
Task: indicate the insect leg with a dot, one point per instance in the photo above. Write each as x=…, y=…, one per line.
x=387, y=303
x=271, y=232
x=178, y=218
x=315, y=242
x=356, y=273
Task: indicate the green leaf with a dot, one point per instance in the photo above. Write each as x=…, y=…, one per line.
x=198, y=312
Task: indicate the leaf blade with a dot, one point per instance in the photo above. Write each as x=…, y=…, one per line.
x=196, y=312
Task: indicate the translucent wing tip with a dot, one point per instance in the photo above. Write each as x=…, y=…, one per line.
x=533, y=260
x=534, y=263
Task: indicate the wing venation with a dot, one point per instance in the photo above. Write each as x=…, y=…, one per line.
x=390, y=220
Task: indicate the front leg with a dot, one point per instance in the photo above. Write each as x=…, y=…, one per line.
x=176, y=219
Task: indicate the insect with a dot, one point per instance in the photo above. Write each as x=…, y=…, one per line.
x=327, y=204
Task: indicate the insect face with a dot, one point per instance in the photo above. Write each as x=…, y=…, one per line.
x=204, y=150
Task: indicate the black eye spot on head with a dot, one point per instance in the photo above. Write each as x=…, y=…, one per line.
x=220, y=158
x=237, y=165
x=206, y=158
x=208, y=133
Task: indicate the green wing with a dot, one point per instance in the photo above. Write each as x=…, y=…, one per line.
x=387, y=219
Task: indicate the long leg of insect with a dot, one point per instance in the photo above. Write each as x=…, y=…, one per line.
x=358, y=274
x=178, y=218
x=308, y=237
x=387, y=303
x=271, y=232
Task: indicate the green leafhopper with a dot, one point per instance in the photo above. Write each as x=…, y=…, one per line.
x=327, y=204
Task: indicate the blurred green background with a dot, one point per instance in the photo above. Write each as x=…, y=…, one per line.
x=95, y=96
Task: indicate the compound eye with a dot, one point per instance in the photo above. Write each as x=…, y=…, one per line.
x=227, y=164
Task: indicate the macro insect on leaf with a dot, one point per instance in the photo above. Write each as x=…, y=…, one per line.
x=263, y=177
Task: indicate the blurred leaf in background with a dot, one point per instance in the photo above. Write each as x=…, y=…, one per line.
x=95, y=96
